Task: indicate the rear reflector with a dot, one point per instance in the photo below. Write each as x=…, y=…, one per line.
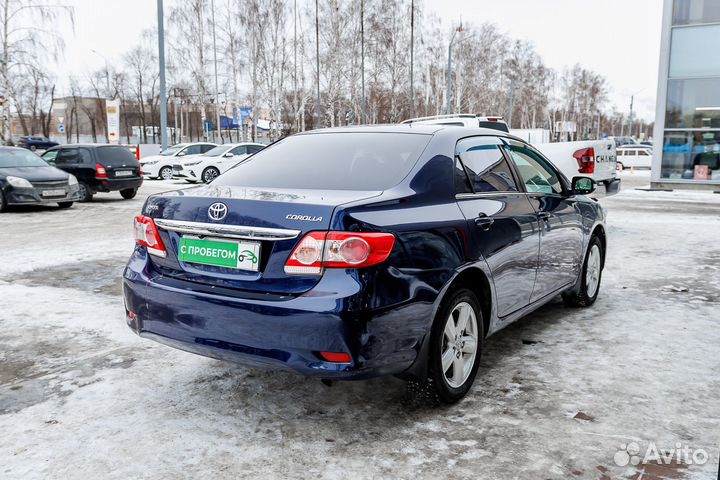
x=318, y=250
x=335, y=357
x=147, y=235
x=586, y=160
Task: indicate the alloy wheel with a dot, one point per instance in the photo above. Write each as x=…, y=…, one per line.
x=210, y=174
x=166, y=173
x=592, y=271
x=459, y=344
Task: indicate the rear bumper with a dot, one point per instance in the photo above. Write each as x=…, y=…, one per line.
x=279, y=332
x=31, y=196
x=115, y=184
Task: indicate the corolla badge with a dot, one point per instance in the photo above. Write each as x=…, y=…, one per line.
x=304, y=218
x=217, y=211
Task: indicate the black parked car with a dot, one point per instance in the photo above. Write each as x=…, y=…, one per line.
x=26, y=179
x=36, y=143
x=98, y=168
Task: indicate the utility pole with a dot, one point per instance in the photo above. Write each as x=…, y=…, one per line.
x=362, y=60
x=412, y=52
x=217, y=88
x=512, y=99
x=161, y=59
x=630, y=118
x=295, y=90
x=317, y=61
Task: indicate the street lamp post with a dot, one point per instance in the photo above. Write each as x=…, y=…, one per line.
x=448, y=92
x=161, y=60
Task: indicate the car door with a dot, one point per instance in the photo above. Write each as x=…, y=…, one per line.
x=630, y=158
x=502, y=222
x=561, y=234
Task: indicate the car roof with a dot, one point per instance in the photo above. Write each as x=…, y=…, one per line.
x=90, y=145
x=424, y=129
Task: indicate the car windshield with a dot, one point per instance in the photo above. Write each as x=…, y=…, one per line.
x=337, y=161
x=11, y=157
x=217, y=151
x=172, y=150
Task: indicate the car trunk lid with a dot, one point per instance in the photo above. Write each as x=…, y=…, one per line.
x=230, y=221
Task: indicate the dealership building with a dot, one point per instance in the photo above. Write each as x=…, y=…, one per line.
x=687, y=122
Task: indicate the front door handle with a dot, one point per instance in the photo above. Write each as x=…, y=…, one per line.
x=484, y=222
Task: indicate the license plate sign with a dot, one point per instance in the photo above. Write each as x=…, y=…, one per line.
x=238, y=255
x=123, y=173
x=53, y=193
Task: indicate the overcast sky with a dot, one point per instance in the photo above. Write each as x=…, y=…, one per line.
x=617, y=38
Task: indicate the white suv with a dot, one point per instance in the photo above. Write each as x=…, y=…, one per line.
x=462, y=120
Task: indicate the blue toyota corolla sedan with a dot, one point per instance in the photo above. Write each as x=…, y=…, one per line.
x=349, y=253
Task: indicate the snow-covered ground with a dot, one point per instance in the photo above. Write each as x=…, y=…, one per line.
x=556, y=396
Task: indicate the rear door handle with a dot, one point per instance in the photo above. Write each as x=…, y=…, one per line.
x=484, y=222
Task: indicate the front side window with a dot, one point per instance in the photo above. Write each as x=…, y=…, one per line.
x=485, y=165
x=67, y=156
x=537, y=175
x=50, y=156
x=241, y=150
x=193, y=150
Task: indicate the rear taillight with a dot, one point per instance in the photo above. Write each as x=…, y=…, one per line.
x=147, y=235
x=586, y=160
x=318, y=250
x=335, y=357
x=100, y=171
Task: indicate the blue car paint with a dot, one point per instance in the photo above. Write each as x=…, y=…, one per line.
x=381, y=315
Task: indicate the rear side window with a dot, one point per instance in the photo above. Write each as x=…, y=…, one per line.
x=335, y=161
x=485, y=164
x=254, y=149
x=116, y=156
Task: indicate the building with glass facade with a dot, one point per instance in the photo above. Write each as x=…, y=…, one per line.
x=687, y=122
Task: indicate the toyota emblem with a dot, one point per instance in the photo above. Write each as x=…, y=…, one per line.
x=217, y=211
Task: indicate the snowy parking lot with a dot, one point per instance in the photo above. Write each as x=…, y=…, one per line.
x=560, y=394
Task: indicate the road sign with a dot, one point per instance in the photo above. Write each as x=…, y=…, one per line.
x=61, y=128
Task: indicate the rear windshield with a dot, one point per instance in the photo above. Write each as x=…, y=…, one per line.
x=336, y=161
x=116, y=155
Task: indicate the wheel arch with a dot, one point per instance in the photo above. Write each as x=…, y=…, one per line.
x=475, y=280
x=599, y=232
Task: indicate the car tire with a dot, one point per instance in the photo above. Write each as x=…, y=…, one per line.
x=65, y=204
x=3, y=204
x=86, y=194
x=210, y=174
x=590, y=277
x=165, y=173
x=128, y=193
x=450, y=348
x=619, y=166
x=33, y=148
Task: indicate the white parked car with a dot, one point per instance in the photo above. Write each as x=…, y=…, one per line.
x=161, y=166
x=634, y=157
x=462, y=120
x=214, y=162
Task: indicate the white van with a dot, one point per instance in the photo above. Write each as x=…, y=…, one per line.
x=634, y=157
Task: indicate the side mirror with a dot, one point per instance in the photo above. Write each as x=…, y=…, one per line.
x=181, y=154
x=582, y=185
x=228, y=155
